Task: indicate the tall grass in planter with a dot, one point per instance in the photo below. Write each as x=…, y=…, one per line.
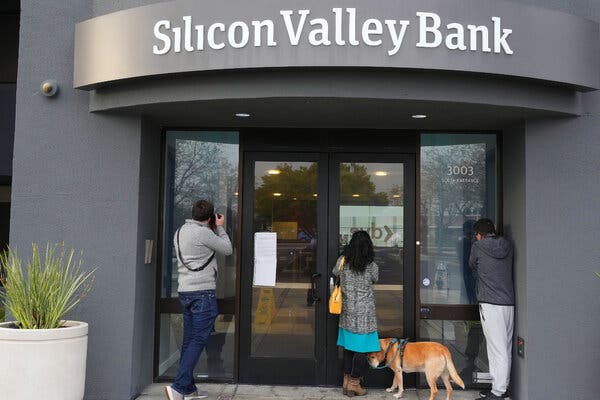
x=40, y=351
x=51, y=286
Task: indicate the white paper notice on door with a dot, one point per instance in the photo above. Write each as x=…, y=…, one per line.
x=265, y=258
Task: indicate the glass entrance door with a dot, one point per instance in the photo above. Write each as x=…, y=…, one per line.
x=313, y=202
x=283, y=326
x=375, y=193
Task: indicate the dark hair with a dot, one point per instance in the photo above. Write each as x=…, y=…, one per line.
x=359, y=252
x=202, y=210
x=485, y=226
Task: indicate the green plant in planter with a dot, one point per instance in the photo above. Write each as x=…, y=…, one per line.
x=51, y=285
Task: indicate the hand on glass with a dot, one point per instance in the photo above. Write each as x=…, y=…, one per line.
x=219, y=219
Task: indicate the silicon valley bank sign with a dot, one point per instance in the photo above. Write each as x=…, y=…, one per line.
x=340, y=28
x=502, y=38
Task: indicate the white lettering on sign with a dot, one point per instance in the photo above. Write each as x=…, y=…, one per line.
x=425, y=29
x=341, y=27
x=456, y=40
x=460, y=170
x=166, y=39
x=294, y=34
x=500, y=41
x=258, y=25
x=397, y=38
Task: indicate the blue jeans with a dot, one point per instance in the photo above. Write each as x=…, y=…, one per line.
x=199, y=314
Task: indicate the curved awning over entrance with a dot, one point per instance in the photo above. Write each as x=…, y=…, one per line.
x=472, y=36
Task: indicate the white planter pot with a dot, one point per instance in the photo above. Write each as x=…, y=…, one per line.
x=44, y=364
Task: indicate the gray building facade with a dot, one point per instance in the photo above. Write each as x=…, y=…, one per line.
x=91, y=166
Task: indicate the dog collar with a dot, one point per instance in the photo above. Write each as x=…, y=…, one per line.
x=399, y=350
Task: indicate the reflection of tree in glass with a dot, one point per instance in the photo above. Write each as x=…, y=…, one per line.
x=296, y=188
x=295, y=201
x=396, y=195
x=355, y=179
x=447, y=198
x=201, y=171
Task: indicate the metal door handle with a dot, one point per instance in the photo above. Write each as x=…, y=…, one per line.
x=313, y=281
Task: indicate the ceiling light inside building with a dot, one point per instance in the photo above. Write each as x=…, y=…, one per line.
x=381, y=173
x=356, y=195
x=419, y=116
x=277, y=194
x=273, y=172
x=242, y=115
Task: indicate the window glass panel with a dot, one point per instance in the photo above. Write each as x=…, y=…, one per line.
x=216, y=361
x=200, y=165
x=458, y=186
x=285, y=202
x=372, y=199
x=466, y=343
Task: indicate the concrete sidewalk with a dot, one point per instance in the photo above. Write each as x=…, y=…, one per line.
x=223, y=391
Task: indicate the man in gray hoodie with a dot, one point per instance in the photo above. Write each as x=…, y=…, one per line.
x=492, y=262
x=196, y=245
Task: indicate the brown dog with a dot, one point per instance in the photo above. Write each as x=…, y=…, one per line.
x=430, y=357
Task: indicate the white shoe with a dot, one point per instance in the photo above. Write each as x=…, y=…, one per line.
x=173, y=394
x=198, y=394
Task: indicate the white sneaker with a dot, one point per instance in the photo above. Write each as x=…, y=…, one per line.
x=173, y=394
x=198, y=394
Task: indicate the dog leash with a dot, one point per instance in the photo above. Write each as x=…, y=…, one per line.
x=399, y=349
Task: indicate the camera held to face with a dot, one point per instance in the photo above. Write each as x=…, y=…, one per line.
x=216, y=220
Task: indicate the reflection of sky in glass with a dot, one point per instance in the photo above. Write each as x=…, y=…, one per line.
x=262, y=169
x=394, y=177
x=227, y=142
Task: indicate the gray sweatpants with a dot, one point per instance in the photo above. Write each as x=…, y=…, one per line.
x=498, y=323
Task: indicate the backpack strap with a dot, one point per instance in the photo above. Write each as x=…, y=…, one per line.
x=185, y=264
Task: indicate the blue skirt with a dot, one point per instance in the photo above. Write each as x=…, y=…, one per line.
x=359, y=342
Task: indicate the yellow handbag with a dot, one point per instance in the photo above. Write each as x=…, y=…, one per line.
x=335, y=300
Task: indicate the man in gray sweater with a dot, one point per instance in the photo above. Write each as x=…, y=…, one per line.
x=492, y=262
x=196, y=245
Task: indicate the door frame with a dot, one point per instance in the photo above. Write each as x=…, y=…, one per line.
x=327, y=367
x=334, y=371
x=263, y=366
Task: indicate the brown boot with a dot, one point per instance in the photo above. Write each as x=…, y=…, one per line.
x=345, y=385
x=354, y=388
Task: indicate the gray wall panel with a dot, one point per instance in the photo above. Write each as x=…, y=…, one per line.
x=76, y=179
x=514, y=186
x=144, y=311
x=101, y=7
x=584, y=8
x=563, y=215
x=562, y=219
